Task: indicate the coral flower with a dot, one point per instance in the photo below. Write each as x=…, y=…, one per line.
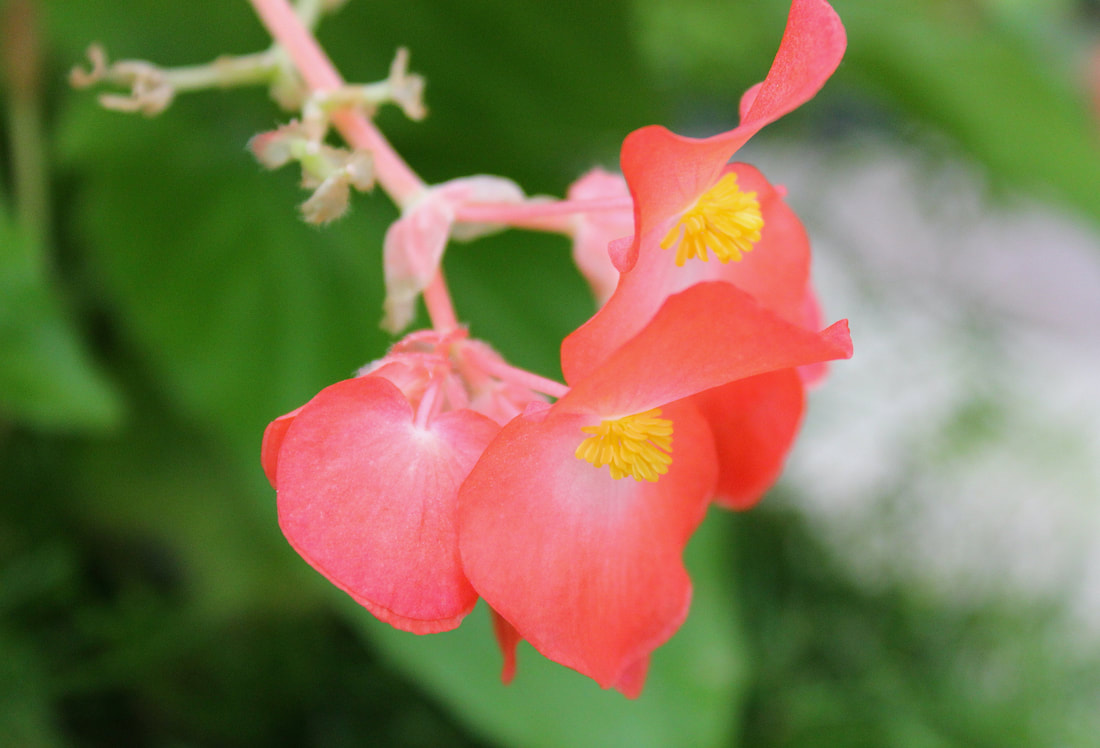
x=367, y=476
x=573, y=522
x=699, y=218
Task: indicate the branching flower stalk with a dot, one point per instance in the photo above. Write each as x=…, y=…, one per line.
x=153, y=88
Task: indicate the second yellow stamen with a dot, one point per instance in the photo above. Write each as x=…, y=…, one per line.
x=638, y=445
x=724, y=220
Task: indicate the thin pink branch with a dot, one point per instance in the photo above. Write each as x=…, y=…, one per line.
x=437, y=300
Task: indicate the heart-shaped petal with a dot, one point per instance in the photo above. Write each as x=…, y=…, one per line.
x=367, y=497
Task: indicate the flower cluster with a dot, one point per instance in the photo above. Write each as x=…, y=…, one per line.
x=441, y=474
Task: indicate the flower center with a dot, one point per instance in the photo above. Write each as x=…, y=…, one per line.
x=724, y=220
x=639, y=446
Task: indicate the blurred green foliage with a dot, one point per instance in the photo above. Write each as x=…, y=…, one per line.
x=146, y=595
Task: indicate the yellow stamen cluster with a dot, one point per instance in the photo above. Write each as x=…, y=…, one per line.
x=639, y=446
x=724, y=220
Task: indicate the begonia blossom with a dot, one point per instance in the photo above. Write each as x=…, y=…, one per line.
x=573, y=522
x=367, y=476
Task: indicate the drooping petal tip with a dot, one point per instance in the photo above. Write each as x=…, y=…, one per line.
x=507, y=639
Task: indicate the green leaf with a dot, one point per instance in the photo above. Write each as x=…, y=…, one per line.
x=852, y=664
x=691, y=697
x=47, y=377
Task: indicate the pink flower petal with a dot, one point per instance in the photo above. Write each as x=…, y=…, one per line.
x=704, y=337
x=812, y=47
x=368, y=499
x=586, y=568
x=754, y=422
x=596, y=230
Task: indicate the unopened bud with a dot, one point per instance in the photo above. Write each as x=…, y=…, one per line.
x=329, y=201
x=360, y=169
x=407, y=90
x=276, y=148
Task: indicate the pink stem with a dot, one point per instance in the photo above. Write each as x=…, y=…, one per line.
x=395, y=176
x=545, y=216
x=437, y=300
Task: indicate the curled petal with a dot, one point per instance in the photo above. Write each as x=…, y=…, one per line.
x=586, y=568
x=667, y=172
x=368, y=499
x=412, y=251
x=812, y=46
x=812, y=374
x=620, y=251
x=747, y=99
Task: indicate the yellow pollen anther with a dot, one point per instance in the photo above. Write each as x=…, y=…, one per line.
x=639, y=446
x=724, y=220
